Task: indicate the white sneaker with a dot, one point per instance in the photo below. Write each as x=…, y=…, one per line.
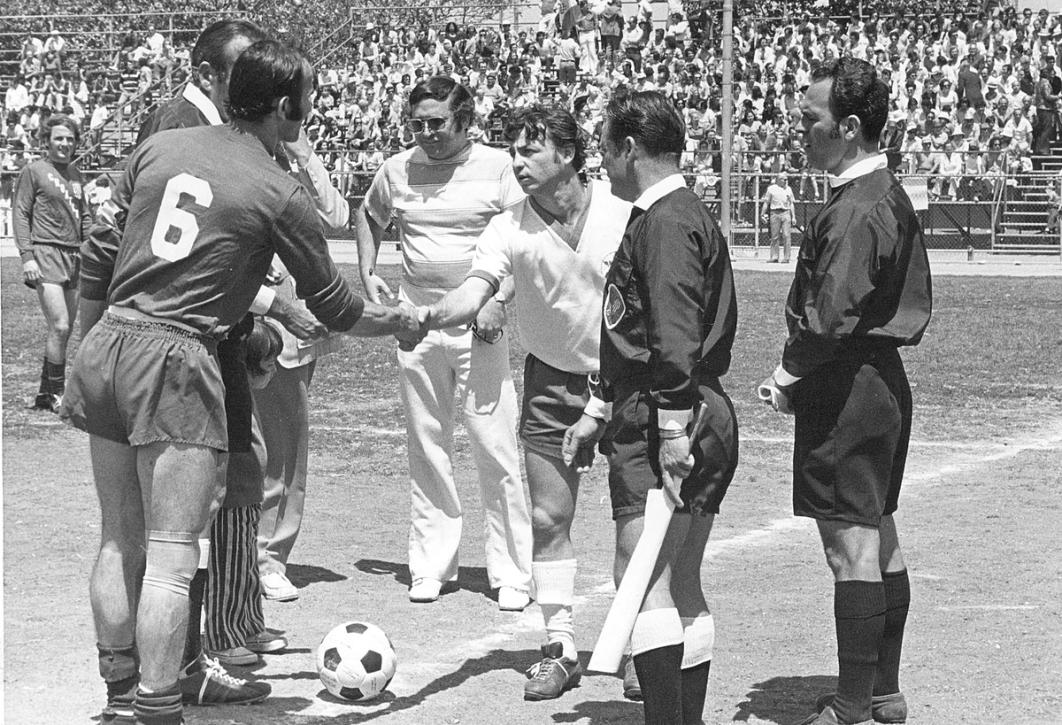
x=237, y=656
x=511, y=599
x=277, y=588
x=424, y=590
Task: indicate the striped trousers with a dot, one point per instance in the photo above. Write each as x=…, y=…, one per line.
x=234, y=593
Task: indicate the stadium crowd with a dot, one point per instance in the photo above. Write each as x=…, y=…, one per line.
x=967, y=100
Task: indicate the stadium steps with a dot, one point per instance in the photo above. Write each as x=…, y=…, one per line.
x=1023, y=222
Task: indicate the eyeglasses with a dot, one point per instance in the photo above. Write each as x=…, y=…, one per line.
x=418, y=125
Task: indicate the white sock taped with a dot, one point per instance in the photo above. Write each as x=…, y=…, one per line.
x=655, y=629
x=698, y=639
x=204, y=554
x=555, y=594
x=171, y=559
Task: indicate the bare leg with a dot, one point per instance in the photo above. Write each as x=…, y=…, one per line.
x=179, y=488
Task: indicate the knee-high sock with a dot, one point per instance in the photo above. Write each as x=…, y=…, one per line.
x=55, y=373
x=897, y=602
x=656, y=644
x=694, y=692
x=120, y=669
x=555, y=593
x=161, y=707
x=698, y=639
x=859, y=611
x=193, y=641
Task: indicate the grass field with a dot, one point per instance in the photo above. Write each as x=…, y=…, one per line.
x=979, y=518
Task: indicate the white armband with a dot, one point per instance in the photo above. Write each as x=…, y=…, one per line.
x=783, y=378
x=673, y=419
x=597, y=408
x=263, y=300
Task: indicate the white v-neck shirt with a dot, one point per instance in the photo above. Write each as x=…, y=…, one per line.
x=558, y=288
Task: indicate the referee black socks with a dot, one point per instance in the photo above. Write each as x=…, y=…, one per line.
x=897, y=602
x=859, y=611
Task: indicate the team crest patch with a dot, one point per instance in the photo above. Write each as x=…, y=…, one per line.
x=77, y=188
x=615, y=307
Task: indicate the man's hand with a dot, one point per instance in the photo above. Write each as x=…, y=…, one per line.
x=375, y=287
x=414, y=325
x=296, y=319
x=299, y=150
x=677, y=463
x=775, y=395
x=31, y=273
x=577, y=450
x=491, y=319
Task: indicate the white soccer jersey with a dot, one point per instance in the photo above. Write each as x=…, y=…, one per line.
x=441, y=207
x=558, y=289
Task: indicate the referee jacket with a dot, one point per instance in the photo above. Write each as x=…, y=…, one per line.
x=670, y=312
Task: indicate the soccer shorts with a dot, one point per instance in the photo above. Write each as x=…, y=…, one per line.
x=853, y=426
x=138, y=382
x=59, y=265
x=553, y=402
x=633, y=450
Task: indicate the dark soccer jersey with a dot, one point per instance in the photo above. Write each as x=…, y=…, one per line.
x=862, y=276
x=670, y=313
x=194, y=223
x=177, y=113
x=50, y=207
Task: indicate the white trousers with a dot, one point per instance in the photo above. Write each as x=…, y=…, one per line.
x=447, y=365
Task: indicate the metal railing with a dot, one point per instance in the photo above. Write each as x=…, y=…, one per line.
x=961, y=226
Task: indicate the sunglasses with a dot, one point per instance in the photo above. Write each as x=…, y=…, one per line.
x=418, y=125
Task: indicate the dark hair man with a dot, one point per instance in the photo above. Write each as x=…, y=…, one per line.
x=862, y=290
x=175, y=259
x=51, y=217
x=441, y=194
x=668, y=324
x=556, y=246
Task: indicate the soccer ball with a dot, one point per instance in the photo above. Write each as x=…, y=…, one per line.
x=356, y=661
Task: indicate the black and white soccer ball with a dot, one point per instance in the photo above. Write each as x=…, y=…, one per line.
x=356, y=661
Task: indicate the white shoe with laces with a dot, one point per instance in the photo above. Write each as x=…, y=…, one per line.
x=511, y=599
x=276, y=587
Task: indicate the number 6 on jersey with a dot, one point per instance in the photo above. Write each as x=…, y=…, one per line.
x=182, y=220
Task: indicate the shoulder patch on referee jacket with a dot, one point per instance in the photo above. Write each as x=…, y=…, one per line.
x=615, y=307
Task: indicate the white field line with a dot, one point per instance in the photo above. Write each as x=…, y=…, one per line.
x=411, y=676
x=460, y=432
x=987, y=607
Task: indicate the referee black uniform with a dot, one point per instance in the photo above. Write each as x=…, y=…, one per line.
x=862, y=289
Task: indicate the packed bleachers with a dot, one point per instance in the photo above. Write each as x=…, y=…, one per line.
x=965, y=79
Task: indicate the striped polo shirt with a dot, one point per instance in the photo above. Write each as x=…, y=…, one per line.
x=440, y=208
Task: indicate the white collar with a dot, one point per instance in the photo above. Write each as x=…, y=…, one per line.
x=659, y=190
x=859, y=168
x=197, y=98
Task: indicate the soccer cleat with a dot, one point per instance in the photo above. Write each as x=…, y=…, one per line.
x=424, y=590
x=234, y=656
x=205, y=682
x=511, y=599
x=553, y=675
x=268, y=640
x=829, y=717
x=889, y=709
x=119, y=708
x=277, y=588
x=632, y=689
x=47, y=402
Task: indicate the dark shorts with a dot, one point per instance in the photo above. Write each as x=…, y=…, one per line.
x=853, y=426
x=59, y=265
x=142, y=382
x=633, y=450
x=553, y=402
